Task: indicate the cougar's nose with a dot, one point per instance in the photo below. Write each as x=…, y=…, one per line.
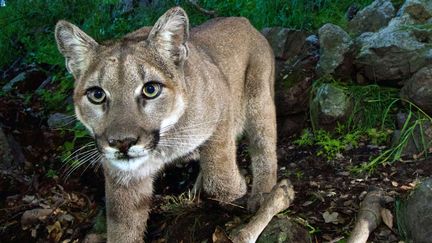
x=122, y=145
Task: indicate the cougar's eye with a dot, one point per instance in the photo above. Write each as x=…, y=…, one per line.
x=152, y=90
x=96, y=95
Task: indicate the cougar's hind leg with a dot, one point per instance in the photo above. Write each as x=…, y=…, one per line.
x=220, y=176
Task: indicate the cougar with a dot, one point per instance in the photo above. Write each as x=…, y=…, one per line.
x=163, y=92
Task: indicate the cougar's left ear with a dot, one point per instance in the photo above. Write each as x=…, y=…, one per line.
x=170, y=34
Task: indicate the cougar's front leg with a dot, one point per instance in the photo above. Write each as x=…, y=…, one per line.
x=221, y=177
x=127, y=208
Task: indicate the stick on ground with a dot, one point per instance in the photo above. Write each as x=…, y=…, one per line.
x=278, y=200
x=369, y=216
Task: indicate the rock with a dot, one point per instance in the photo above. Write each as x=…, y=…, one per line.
x=19, y=78
x=286, y=43
x=393, y=53
x=292, y=94
x=28, y=80
x=373, y=17
x=31, y=217
x=283, y=229
x=418, y=89
x=292, y=124
x=351, y=12
x=415, y=214
x=60, y=120
x=420, y=10
x=330, y=104
x=294, y=79
x=17, y=152
x=6, y=157
x=312, y=40
x=335, y=43
x=419, y=139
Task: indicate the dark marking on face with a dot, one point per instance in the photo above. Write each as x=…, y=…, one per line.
x=156, y=138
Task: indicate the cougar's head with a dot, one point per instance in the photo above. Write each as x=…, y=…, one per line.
x=129, y=90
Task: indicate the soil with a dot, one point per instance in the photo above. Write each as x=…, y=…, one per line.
x=77, y=203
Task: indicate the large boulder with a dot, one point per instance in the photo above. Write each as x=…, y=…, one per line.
x=394, y=53
x=373, y=17
x=335, y=43
x=415, y=216
x=330, y=104
x=286, y=43
x=418, y=89
x=419, y=10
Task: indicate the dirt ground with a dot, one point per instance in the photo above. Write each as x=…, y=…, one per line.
x=327, y=193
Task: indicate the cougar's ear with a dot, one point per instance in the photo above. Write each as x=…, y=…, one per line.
x=170, y=34
x=76, y=46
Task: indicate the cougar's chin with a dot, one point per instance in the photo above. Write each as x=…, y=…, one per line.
x=128, y=164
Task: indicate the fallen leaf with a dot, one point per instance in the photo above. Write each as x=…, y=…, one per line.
x=387, y=217
x=394, y=183
x=219, y=236
x=307, y=203
x=55, y=231
x=330, y=217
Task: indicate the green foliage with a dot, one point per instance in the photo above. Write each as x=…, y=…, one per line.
x=27, y=26
x=100, y=224
x=378, y=137
x=54, y=100
x=413, y=129
x=330, y=145
x=80, y=136
x=51, y=173
x=306, y=139
x=300, y=14
x=372, y=118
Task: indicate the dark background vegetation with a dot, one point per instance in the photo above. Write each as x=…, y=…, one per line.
x=27, y=43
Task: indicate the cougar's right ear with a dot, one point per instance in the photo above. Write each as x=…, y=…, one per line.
x=76, y=46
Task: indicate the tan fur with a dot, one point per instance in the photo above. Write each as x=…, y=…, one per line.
x=217, y=83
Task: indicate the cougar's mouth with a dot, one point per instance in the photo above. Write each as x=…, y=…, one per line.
x=129, y=163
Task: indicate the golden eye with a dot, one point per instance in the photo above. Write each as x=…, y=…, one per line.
x=152, y=90
x=96, y=95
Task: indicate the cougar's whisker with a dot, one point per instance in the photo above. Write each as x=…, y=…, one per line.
x=79, y=149
x=89, y=155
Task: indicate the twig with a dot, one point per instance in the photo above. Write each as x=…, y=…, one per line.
x=212, y=13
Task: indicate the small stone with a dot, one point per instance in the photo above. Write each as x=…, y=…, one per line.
x=33, y=216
